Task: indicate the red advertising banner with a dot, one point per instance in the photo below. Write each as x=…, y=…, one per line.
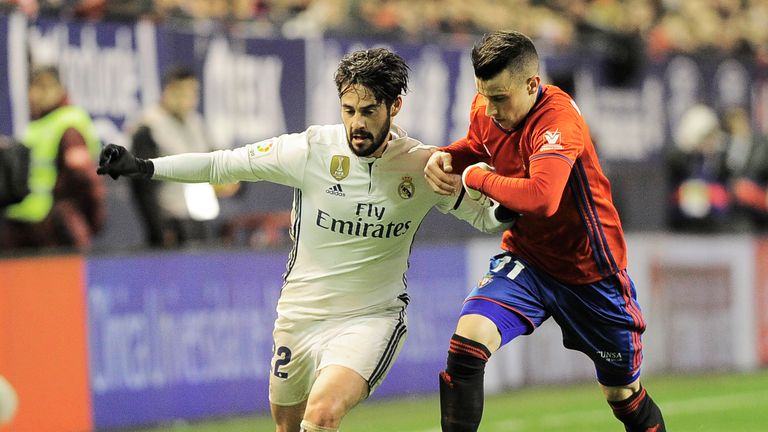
x=43, y=343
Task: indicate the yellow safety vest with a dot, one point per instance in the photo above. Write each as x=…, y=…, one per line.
x=43, y=137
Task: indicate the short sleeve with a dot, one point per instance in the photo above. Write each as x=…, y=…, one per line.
x=280, y=160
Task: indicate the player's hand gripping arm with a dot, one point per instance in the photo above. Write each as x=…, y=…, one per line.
x=438, y=173
x=481, y=211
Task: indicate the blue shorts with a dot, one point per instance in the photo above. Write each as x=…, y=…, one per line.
x=602, y=319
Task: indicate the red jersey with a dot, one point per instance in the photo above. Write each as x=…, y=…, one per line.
x=547, y=170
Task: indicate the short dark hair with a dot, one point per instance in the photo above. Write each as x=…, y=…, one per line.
x=378, y=69
x=504, y=50
x=178, y=73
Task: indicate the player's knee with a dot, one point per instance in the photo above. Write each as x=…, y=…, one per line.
x=479, y=329
x=325, y=412
x=619, y=393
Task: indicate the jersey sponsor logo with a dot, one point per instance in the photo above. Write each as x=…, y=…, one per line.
x=361, y=228
x=406, y=189
x=335, y=190
x=610, y=356
x=553, y=141
x=339, y=167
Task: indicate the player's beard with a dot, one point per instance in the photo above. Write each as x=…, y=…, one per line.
x=376, y=141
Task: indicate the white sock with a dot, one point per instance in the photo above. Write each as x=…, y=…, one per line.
x=310, y=427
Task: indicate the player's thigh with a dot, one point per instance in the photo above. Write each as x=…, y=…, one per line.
x=288, y=418
x=516, y=287
x=604, y=321
x=367, y=345
x=294, y=360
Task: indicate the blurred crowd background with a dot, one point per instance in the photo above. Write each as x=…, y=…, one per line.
x=711, y=175
x=657, y=27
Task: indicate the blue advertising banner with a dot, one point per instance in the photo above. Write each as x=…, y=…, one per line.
x=180, y=336
x=252, y=89
x=102, y=65
x=190, y=336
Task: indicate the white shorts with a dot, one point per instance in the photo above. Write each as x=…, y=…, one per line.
x=368, y=345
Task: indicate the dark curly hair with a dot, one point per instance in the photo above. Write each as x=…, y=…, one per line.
x=380, y=70
x=504, y=50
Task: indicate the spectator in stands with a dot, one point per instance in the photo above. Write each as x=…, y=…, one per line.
x=698, y=173
x=174, y=214
x=65, y=207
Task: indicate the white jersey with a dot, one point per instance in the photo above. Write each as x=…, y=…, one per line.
x=354, y=218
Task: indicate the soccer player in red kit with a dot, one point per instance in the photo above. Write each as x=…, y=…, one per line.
x=529, y=148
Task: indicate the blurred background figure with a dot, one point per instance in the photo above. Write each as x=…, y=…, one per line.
x=748, y=155
x=698, y=173
x=14, y=171
x=65, y=207
x=174, y=214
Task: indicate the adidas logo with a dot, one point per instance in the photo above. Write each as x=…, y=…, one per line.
x=335, y=190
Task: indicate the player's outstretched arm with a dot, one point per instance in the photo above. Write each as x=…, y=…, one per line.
x=218, y=167
x=116, y=160
x=438, y=174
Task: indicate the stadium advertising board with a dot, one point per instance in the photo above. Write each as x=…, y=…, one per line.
x=180, y=336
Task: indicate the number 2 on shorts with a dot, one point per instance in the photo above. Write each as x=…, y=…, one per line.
x=285, y=356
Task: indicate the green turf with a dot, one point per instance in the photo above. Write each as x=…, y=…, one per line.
x=737, y=402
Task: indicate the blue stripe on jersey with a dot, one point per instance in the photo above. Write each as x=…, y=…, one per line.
x=603, y=239
x=389, y=352
x=294, y=232
x=543, y=155
x=586, y=207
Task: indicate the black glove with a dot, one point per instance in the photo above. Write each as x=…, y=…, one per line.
x=506, y=215
x=116, y=160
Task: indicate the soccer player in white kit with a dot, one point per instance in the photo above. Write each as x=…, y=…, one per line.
x=359, y=197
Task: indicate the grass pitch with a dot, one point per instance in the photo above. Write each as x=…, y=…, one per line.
x=721, y=402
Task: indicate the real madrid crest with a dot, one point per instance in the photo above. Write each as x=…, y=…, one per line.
x=406, y=189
